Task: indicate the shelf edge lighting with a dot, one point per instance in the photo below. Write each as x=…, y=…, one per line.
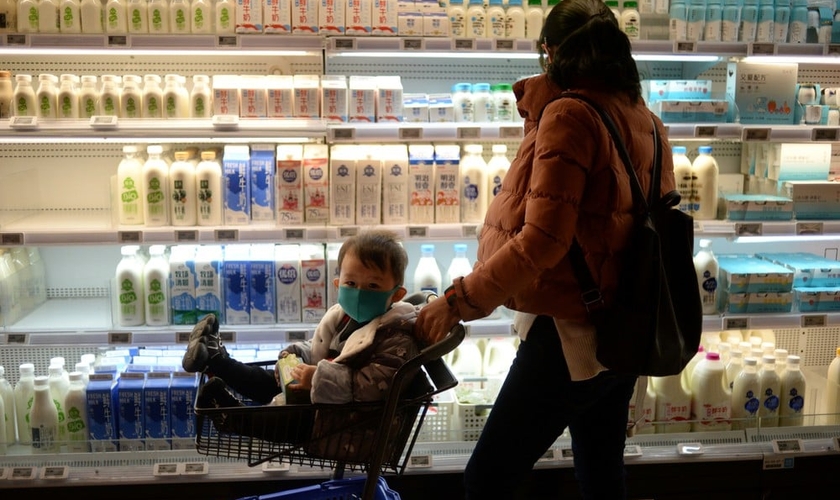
x=787, y=237
x=440, y=54
x=675, y=58
x=152, y=52
x=830, y=59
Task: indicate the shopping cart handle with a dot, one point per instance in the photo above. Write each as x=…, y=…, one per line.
x=430, y=357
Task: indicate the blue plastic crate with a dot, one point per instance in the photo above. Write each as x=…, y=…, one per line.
x=337, y=489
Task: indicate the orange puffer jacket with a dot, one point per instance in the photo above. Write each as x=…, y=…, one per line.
x=567, y=181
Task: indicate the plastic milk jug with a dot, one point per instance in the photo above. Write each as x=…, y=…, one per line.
x=794, y=388
x=710, y=396
x=75, y=409
x=130, y=187
x=183, y=204
x=43, y=418
x=24, y=394
x=155, y=184
x=832, y=392
x=673, y=404
x=682, y=175
x=648, y=410
x=499, y=353
x=129, y=277
x=7, y=393
x=208, y=182
x=770, y=389
x=706, y=267
x=497, y=168
x=473, y=195
x=689, y=368
x=746, y=397
x=427, y=273
x=466, y=365
x=705, y=184
x=156, y=287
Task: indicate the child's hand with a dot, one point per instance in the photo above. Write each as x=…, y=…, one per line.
x=303, y=374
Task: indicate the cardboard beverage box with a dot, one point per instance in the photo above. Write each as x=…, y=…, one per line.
x=131, y=418
x=764, y=94
x=102, y=412
x=156, y=410
x=182, y=393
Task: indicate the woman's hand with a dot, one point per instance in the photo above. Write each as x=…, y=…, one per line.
x=435, y=320
x=303, y=374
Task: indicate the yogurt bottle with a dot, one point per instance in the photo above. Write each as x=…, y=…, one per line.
x=707, y=268
x=152, y=97
x=158, y=13
x=770, y=388
x=75, y=404
x=208, y=180
x=68, y=97
x=131, y=101
x=47, y=96
x=70, y=19
x=155, y=184
x=24, y=96
x=88, y=97
x=138, y=16
x=91, y=16
x=682, y=176
x=43, y=418
x=116, y=16
x=746, y=397
x=201, y=17
x=794, y=388
x=48, y=17
x=7, y=394
x=176, y=99
x=130, y=187
x=473, y=196
x=156, y=287
x=110, y=96
x=129, y=281
x=183, y=205
x=24, y=395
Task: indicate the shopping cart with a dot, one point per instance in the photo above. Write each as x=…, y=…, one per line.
x=374, y=438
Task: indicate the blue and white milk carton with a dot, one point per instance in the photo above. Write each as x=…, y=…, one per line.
x=182, y=281
x=209, y=289
x=287, y=269
x=261, y=285
x=237, y=261
x=237, y=189
x=262, y=182
x=132, y=422
x=182, y=393
x=313, y=287
x=102, y=409
x=156, y=411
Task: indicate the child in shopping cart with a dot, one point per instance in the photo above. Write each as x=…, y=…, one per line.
x=355, y=351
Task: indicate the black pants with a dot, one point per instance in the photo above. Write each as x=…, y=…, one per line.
x=252, y=381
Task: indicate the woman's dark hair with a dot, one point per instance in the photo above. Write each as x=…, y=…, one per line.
x=587, y=46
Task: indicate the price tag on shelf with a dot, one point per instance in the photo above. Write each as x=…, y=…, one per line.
x=566, y=454
x=186, y=236
x=469, y=231
x=295, y=234
x=227, y=235
x=228, y=337
x=736, y=323
x=227, y=41
x=755, y=134
x=17, y=40
x=55, y=472
x=632, y=450
x=469, y=133
x=119, y=338
x=17, y=338
x=824, y=134
x=274, y=466
x=809, y=228
x=685, y=47
x=23, y=473
x=182, y=337
x=836, y=443
x=411, y=133
x=412, y=44
x=225, y=121
x=130, y=237
x=511, y=132
x=464, y=44
x=777, y=462
x=296, y=335
x=4, y=471
x=420, y=462
x=761, y=49
x=344, y=43
x=120, y=41
x=343, y=133
x=705, y=131
x=418, y=231
x=23, y=122
x=550, y=455
x=166, y=470
x=833, y=49
x=504, y=44
x=11, y=239
x=196, y=468
x=814, y=320
x=787, y=446
x=103, y=121
x=748, y=229
x=348, y=231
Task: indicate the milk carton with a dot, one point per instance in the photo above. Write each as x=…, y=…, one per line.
x=235, y=272
x=416, y=108
x=362, y=99
x=395, y=184
x=288, y=289
x=262, y=182
x=277, y=16
x=102, y=410
x=334, y=98
x=389, y=99
x=237, y=189
x=156, y=411
x=332, y=273
x=280, y=96
x=313, y=290
x=261, y=284
x=252, y=96
x=369, y=189
x=763, y=93
x=316, y=184
x=331, y=17
x=305, y=17
x=182, y=283
x=289, y=180
x=182, y=393
x=132, y=421
x=384, y=17
x=307, y=96
x=343, y=185
x=421, y=184
x=249, y=16
x=209, y=288
x=225, y=95
x=447, y=184
x=358, y=17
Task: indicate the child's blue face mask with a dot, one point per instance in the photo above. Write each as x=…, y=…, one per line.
x=364, y=305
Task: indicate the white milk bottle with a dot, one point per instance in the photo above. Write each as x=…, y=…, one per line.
x=734, y=367
x=131, y=101
x=8, y=13
x=68, y=97
x=43, y=418
x=534, y=20
x=70, y=19
x=476, y=20
x=92, y=16
x=457, y=19
x=130, y=186
x=673, y=404
x=116, y=17
x=482, y=103
x=770, y=388
x=6, y=95
x=466, y=365
x=155, y=184
x=497, y=169
x=110, y=96
x=515, y=20
x=156, y=287
x=225, y=18
x=705, y=184
x=499, y=353
x=179, y=17
x=781, y=356
x=24, y=394
x=630, y=20
x=47, y=96
x=831, y=401
x=58, y=391
x=48, y=18
x=152, y=97
x=495, y=15
x=746, y=397
x=129, y=277
x=711, y=408
x=183, y=205
x=24, y=96
x=176, y=99
x=85, y=369
x=460, y=265
x=138, y=16
x=28, y=16
x=201, y=17
x=158, y=16
x=706, y=267
x=427, y=273
x=88, y=97
x=7, y=394
x=75, y=409
x=794, y=388
x=201, y=103
x=208, y=181
x=682, y=176
x=473, y=196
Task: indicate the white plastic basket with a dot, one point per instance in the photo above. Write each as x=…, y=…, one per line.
x=437, y=426
x=469, y=420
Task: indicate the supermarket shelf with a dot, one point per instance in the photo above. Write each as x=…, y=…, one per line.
x=752, y=133
x=289, y=44
x=408, y=132
x=747, y=229
x=418, y=46
x=729, y=49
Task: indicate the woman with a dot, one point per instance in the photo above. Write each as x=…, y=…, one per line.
x=566, y=182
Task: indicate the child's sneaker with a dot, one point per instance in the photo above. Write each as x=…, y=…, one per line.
x=215, y=394
x=205, y=344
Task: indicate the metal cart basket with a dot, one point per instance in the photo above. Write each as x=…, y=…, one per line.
x=375, y=438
